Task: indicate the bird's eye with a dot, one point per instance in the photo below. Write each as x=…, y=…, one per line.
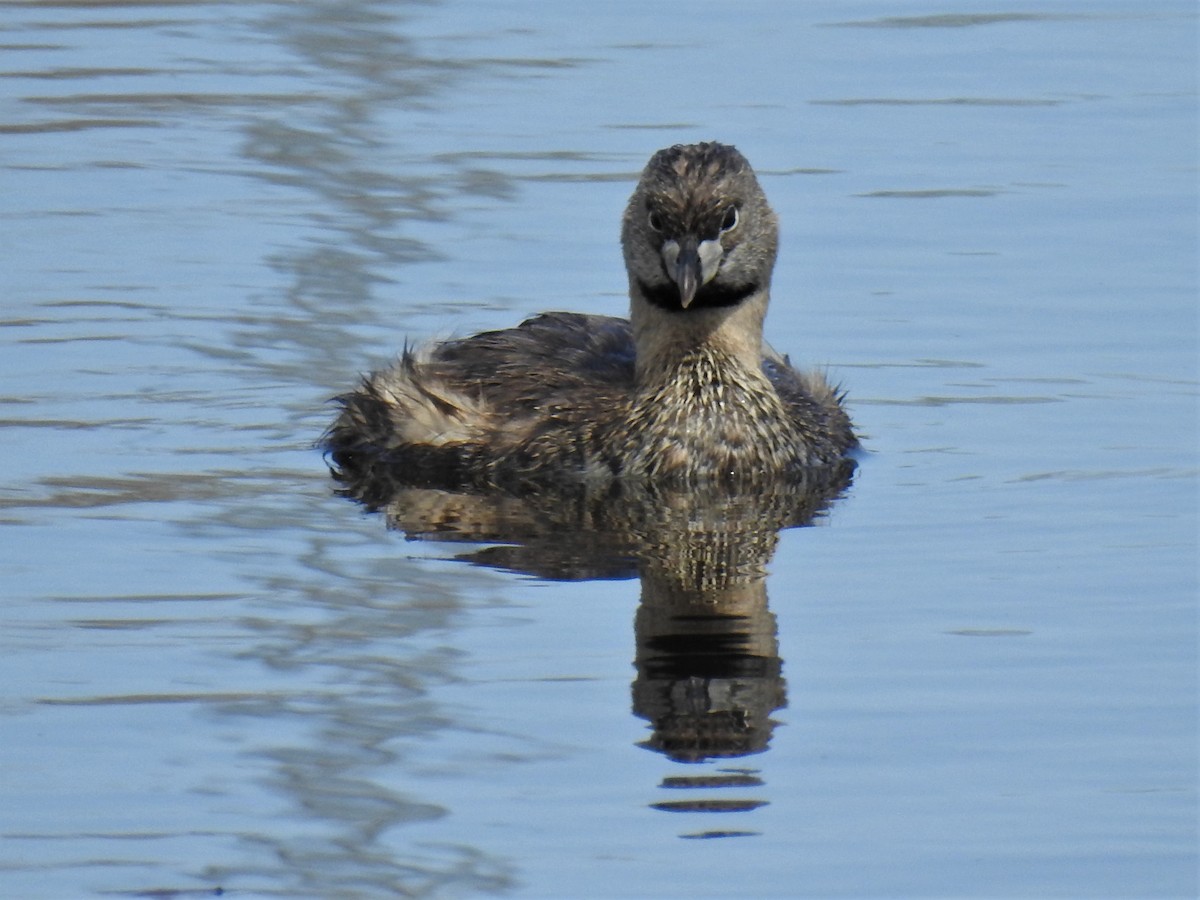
x=731, y=219
x=655, y=221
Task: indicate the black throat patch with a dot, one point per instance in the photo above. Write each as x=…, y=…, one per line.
x=711, y=296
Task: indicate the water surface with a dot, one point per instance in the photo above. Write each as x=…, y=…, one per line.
x=218, y=675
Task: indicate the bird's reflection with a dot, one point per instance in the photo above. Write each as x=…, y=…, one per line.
x=709, y=675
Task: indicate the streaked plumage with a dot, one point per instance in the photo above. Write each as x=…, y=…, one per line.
x=683, y=392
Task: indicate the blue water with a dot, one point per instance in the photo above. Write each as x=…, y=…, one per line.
x=217, y=675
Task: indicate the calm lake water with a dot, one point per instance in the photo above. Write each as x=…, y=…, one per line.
x=974, y=675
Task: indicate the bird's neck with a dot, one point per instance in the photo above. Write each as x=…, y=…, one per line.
x=665, y=341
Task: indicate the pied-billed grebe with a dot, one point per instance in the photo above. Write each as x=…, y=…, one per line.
x=683, y=392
